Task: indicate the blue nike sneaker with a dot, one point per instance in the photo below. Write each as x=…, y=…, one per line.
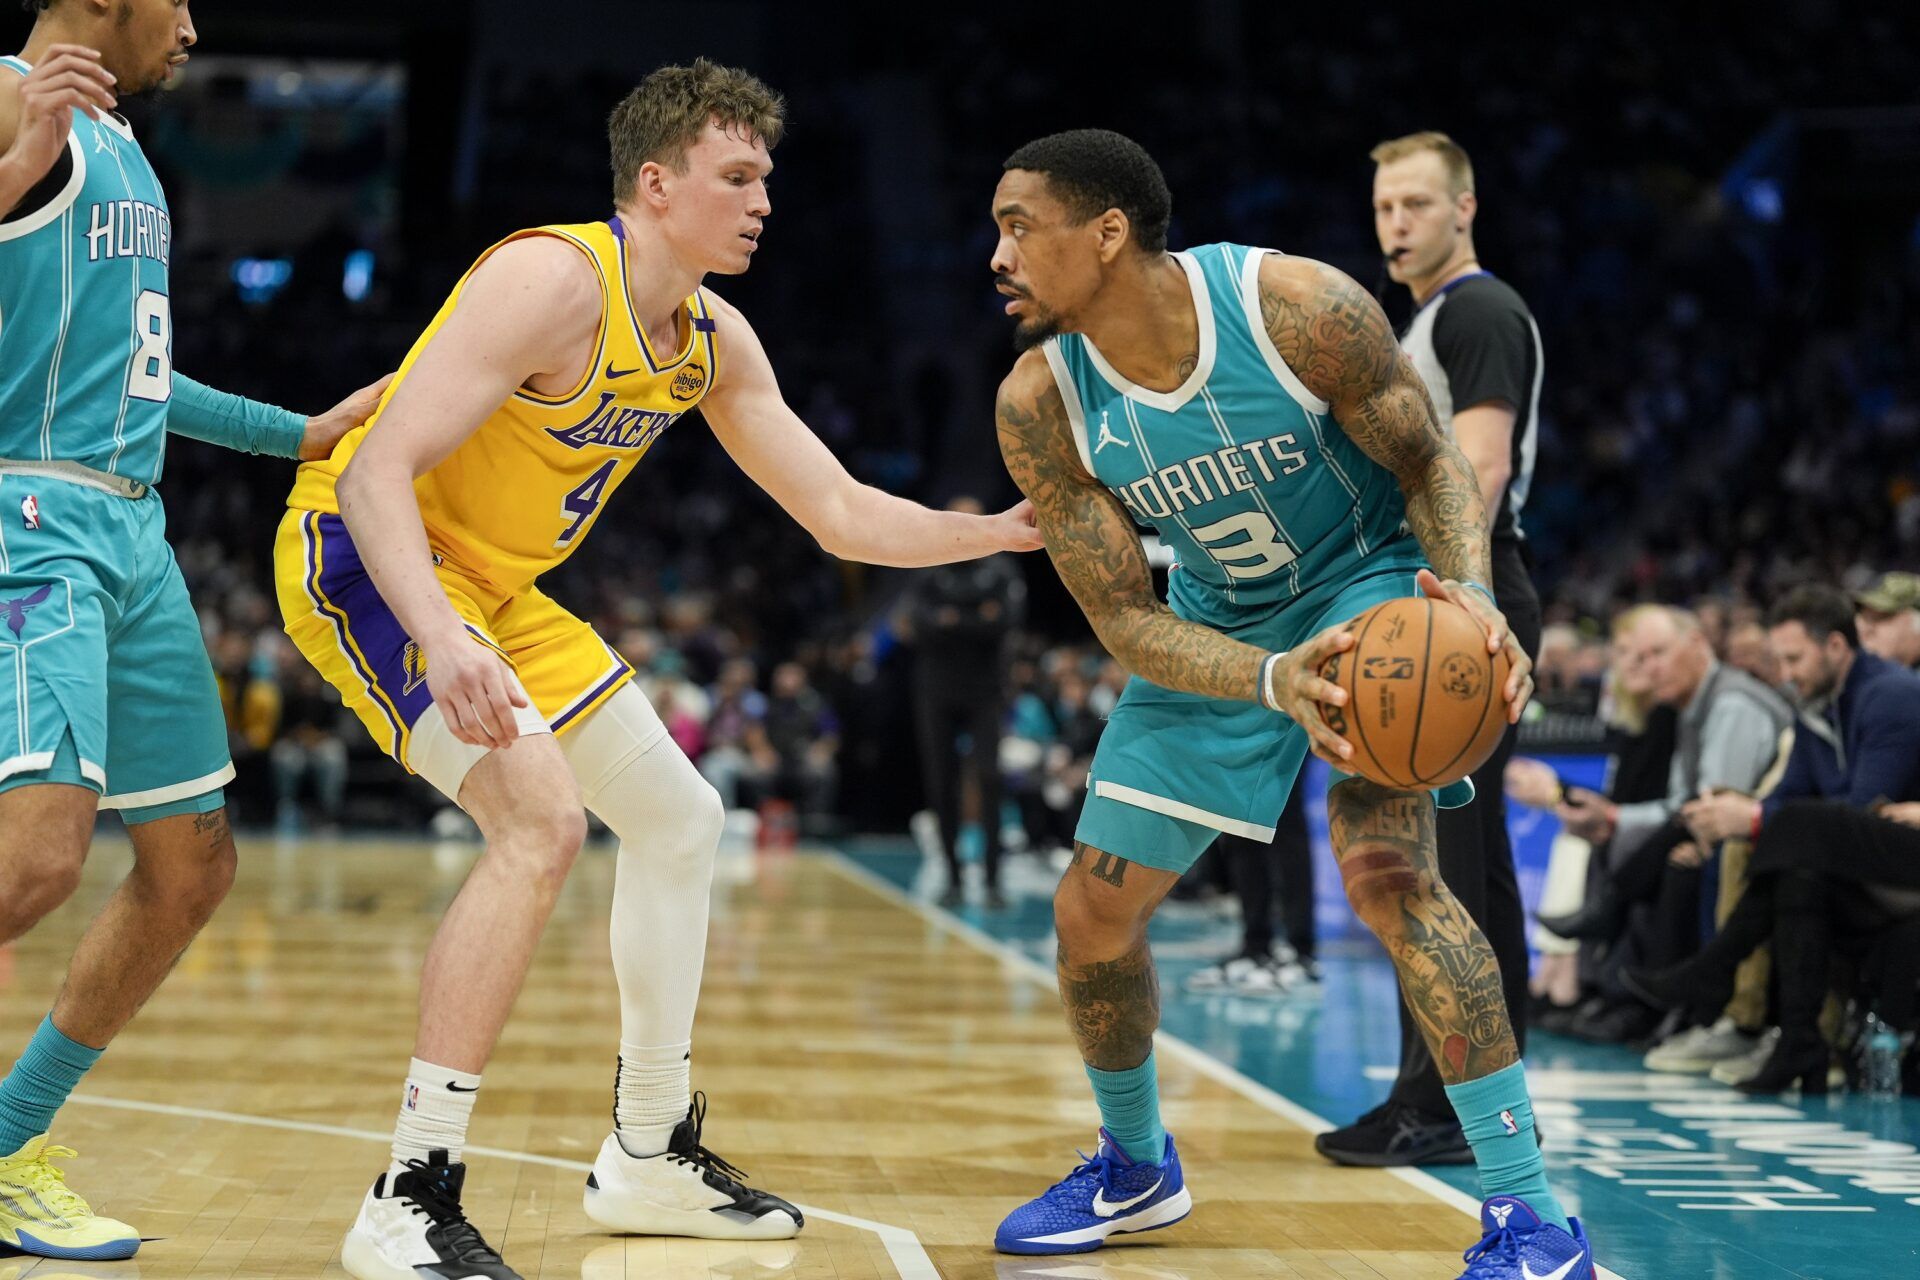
x=1518, y=1246
x=1101, y=1197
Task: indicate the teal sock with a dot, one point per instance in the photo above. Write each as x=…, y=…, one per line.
x=1130, y=1110
x=1497, y=1115
x=39, y=1083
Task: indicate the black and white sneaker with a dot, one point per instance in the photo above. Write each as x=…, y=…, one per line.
x=411, y=1227
x=686, y=1190
x=1395, y=1136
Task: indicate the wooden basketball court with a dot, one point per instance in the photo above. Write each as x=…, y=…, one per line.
x=870, y=1059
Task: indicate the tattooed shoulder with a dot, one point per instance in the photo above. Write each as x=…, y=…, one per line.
x=1334, y=335
x=1329, y=330
x=1036, y=440
x=1031, y=415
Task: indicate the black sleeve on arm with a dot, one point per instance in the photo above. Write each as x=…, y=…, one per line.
x=1483, y=341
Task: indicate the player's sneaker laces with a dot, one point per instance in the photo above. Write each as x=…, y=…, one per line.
x=1519, y=1246
x=41, y=1215
x=1103, y=1196
x=411, y=1227
x=686, y=1190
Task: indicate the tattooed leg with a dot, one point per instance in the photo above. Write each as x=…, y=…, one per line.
x=182, y=869
x=1107, y=979
x=1384, y=841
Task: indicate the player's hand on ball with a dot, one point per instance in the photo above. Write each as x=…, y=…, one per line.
x=476, y=692
x=70, y=78
x=325, y=429
x=1020, y=528
x=1298, y=691
x=1499, y=635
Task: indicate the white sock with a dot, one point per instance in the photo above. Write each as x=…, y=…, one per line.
x=434, y=1110
x=651, y=1096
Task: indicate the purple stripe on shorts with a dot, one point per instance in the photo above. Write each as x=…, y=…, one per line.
x=387, y=658
x=620, y=669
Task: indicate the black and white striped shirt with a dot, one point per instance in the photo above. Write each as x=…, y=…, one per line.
x=1473, y=342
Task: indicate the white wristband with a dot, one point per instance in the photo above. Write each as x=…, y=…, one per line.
x=1267, y=698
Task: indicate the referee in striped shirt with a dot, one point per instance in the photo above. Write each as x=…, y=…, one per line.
x=1478, y=350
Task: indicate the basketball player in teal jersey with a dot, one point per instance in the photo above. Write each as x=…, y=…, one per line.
x=1255, y=411
x=107, y=698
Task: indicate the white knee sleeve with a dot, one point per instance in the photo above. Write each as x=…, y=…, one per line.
x=668, y=819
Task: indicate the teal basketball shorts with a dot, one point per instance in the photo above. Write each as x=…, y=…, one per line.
x=104, y=678
x=1174, y=770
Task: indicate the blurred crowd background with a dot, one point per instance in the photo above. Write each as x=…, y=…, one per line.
x=1713, y=222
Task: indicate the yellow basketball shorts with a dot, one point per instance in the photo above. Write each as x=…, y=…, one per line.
x=336, y=618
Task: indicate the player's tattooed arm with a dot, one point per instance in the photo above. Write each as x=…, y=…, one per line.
x=1334, y=335
x=1384, y=841
x=1098, y=554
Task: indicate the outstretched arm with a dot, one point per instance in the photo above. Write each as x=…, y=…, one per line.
x=1098, y=555
x=1334, y=335
x=850, y=520
x=249, y=426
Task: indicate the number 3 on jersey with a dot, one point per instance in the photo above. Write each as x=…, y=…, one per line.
x=584, y=501
x=1244, y=545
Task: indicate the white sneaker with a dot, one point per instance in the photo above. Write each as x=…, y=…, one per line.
x=1301, y=976
x=411, y=1227
x=1696, y=1050
x=1746, y=1067
x=1224, y=975
x=686, y=1190
x=1245, y=975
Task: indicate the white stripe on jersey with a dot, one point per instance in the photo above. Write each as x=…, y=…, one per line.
x=1226, y=437
x=1146, y=456
x=60, y=343
x=133, y=339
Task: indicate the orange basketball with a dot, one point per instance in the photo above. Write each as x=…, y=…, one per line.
x=1426, y=702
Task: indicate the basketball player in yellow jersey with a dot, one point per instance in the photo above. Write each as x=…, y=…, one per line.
x=407, y=571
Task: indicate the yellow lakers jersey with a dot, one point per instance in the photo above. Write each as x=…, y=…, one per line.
x=520, y=493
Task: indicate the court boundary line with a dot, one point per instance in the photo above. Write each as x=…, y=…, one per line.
x=1192, y=1055
x=904, y=1247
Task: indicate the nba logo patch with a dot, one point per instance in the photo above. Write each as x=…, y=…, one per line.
x=1511, y=1125
x=413, y=1097
x=30, y=511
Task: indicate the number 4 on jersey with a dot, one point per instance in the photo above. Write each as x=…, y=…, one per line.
x=584, y=501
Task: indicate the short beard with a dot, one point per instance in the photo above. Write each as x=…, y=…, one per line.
x=1828, y=686
x=1028, y=334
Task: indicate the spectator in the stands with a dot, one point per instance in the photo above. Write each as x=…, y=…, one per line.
x=1837, y=855
x=1888, y=617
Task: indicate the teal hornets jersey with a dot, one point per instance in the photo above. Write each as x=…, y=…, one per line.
x=86, y=329
x=1241, y=471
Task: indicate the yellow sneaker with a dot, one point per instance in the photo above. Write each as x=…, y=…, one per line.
x=41, y=1215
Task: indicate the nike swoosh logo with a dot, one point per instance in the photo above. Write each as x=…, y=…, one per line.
x=1106, y=1209
x=454, y=1088
x=613, y=373
x=1565, y=1269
